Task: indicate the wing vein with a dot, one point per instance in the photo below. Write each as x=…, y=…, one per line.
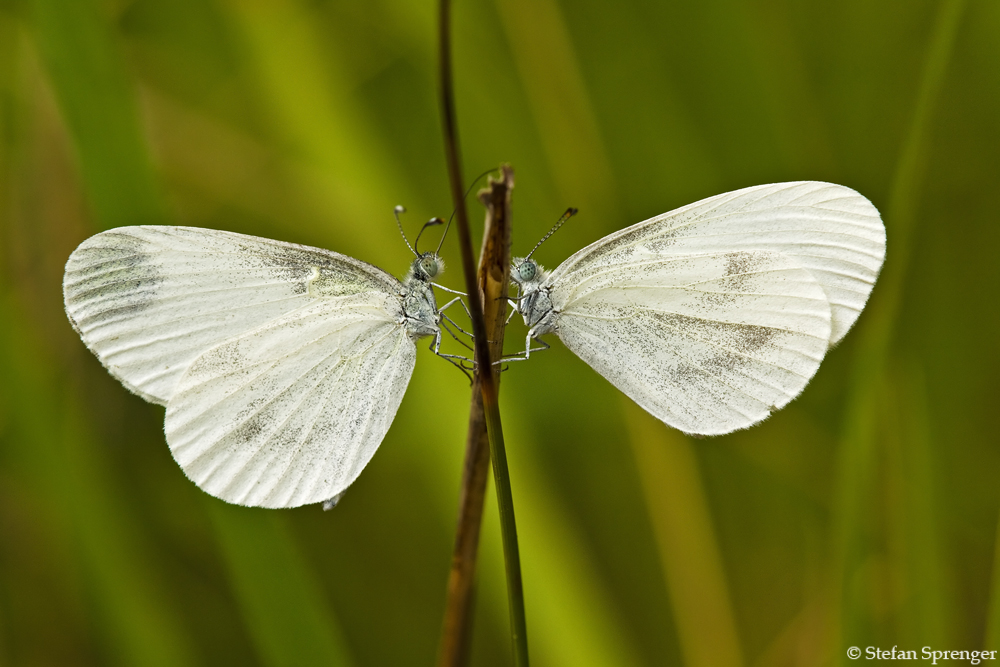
x=291, y=413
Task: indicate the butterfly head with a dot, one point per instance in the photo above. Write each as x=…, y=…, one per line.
x=427, y=266
x=526, y=271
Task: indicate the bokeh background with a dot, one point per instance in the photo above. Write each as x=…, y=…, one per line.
x=864, y=514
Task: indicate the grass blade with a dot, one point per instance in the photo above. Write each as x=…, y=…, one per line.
x=137, y=621
x=279, y=596
x=83, y=60
x=682, y=525
x=856, y=457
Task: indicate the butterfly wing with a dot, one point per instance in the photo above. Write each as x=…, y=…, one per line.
x=707, y=343
x=291, y=412
x=281, y=366
x=830, y=230
x=149, y=300
x=715, y=314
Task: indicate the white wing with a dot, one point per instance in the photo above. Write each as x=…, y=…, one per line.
x=149, y=300
x=291, y=412
x=830, y=230
x=707, y=343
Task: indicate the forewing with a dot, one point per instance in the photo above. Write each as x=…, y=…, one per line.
x=707, y=343
x=149, y=300
x=830, y=230
x=290, y=413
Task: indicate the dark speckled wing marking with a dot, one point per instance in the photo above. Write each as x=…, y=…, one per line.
x=194, y=288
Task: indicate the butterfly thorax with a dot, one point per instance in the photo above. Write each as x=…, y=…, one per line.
x=420, y=312
x=537, y=310
x=534, y=302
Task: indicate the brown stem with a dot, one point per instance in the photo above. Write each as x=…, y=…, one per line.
x=494, y=276
x=490, y=406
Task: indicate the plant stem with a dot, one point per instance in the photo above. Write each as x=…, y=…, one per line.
x=494, y=429
x=494, y=270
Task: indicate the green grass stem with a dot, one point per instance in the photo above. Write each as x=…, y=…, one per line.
x=857, y=454
x=498, y=455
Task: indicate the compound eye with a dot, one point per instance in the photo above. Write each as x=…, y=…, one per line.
x=429, y=266
x=526, y=270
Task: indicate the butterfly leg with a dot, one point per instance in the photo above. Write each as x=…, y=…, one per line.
x=527, y=350
x=464, y=307
x=442, y=318
x=468, y=314
x=455, y=324
x=544, y=345
x=444, y=325
x=453, y=359
x=513, y=304
x=513, y=309
x=527, y=345
x=435, y=347
x=451, y=303
x=445, y=289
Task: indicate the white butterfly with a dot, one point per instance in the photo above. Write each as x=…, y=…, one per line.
x=281, y=366
x=716, y=314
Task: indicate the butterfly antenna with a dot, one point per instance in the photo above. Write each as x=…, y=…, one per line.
x=433, y=222
x=570, y=212
x=396, y=211
x=476, y=180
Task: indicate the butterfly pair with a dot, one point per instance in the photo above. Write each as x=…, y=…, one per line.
x=282, y=366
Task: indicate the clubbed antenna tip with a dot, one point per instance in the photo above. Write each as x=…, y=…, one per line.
x=570, y=212
x=396, y=211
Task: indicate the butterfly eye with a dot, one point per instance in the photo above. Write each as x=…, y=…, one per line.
x=430, y=266
x=526, y=270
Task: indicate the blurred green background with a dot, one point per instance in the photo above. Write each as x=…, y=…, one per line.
x=864, y=514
